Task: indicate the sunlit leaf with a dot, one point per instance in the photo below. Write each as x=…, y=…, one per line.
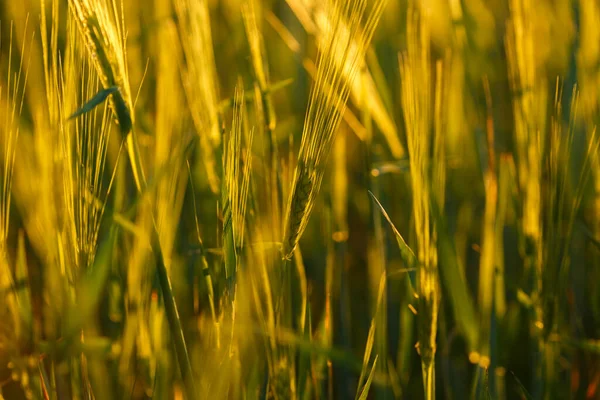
x=94, y=101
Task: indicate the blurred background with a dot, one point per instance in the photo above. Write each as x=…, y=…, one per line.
x=473, y=123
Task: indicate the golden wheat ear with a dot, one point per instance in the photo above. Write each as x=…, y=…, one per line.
x=328, y=98
x=101, y=29
x=100, y=23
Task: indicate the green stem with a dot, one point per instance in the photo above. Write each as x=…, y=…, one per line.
x=176, y=328
x=183, y=359
x=428, y=368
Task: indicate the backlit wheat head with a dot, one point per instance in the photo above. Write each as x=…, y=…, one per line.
x=84, y=142
x=349, y=41
x=314, y=16
x=101, y=25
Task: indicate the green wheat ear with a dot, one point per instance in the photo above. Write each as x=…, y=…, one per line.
x=103, y=36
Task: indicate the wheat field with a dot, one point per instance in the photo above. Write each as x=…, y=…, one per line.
x=299, y=199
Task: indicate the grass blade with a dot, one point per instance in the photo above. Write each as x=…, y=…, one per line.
x=175, y=325
x=365, y=390
x=94, y=101
x=408, y=257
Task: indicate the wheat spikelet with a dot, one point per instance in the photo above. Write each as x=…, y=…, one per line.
x=306, y=179
x=100, y=25
x=347, y=45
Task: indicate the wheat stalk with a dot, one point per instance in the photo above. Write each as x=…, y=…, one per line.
x=427, y=171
